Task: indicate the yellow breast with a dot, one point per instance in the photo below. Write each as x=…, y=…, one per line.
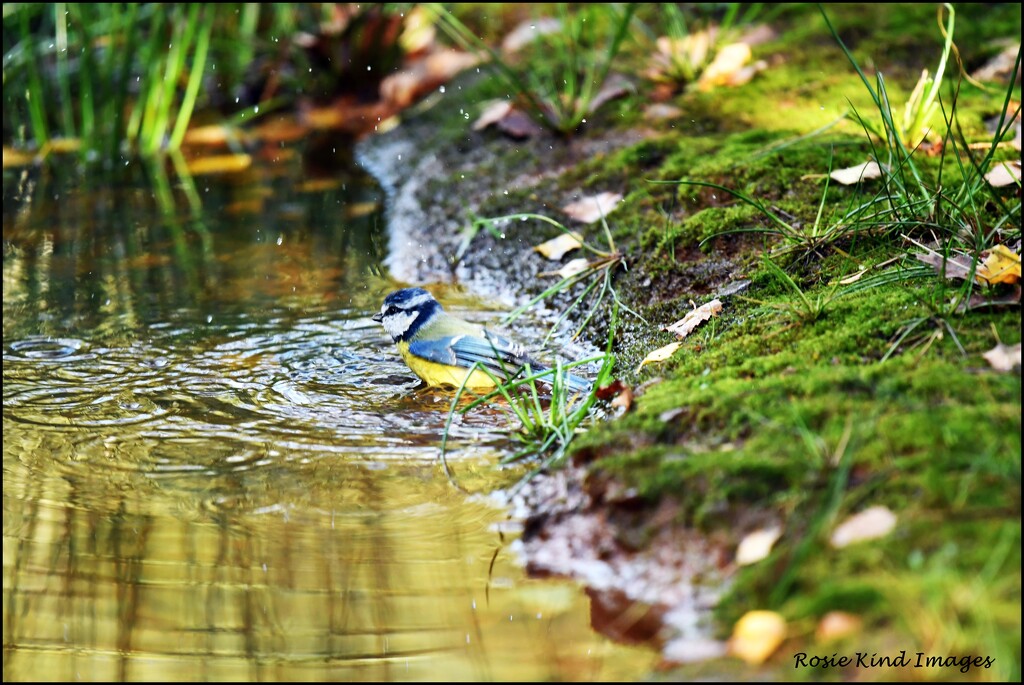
x=433, y=373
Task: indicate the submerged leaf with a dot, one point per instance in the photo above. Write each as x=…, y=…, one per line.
x=556, y=248
x=757, y=635
x=694, y=318
x=856, y=174
x=874, y=522
x=592, y=207
x=659, y=355
x=218, y=164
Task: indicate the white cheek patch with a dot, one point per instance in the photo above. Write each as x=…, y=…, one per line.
x=398, y=323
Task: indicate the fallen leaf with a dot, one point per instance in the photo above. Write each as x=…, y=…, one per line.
x=556, y=248
x=492, y=114
x=571, y=268
x=1003, y=357
x=610, y=391
x=757, y=545
x=757, y=635
x=591, y=208
x=519, y=125
x=980, y=301
x=1005, y=174
x=659, y=355
x=659, y=111
x=729, y=60
x=836, y=625
x=527, y=32
x=874, y=522
x=1000, y=66
x=856, y=174
x=694, y=318
x=999, y=265
x=614, y=87
x=955, y=266
x=624, y=400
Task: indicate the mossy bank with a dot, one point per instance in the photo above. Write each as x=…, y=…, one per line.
x=791, y=409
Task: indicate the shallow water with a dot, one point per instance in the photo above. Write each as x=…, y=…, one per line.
x=215, y=465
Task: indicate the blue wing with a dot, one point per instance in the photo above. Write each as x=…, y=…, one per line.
x=497, y=354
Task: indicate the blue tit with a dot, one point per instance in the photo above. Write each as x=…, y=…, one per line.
x=442, y=349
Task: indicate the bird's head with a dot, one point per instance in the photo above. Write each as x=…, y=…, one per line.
x=405, y=311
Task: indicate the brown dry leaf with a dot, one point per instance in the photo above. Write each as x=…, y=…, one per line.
x=591, y=208
x=856, y=174
x=1003, y=357
x=757, y=545
x=999, y=265
x=556, y=248
x=694, y=318
x=508, y=119
x=757, y=635
x=836, y=625
x=218, y=164
x=1005, y=174
x=728, y=61
x=610, y=391
x=659, y=355
x=874, y=522
x=624, y=400
x=404, y=87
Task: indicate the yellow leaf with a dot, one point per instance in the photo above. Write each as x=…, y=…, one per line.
x=1000, y=265
x=757, y=635
x=872, y=523
x=556, y=248
x=659, y=355
x=694, y=318
x=856, y=174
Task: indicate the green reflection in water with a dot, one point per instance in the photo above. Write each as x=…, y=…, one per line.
x=216, y=468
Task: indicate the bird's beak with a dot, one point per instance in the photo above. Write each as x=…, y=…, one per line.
x=378, y=317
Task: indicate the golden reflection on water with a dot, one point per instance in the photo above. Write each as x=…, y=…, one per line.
x=216, y=468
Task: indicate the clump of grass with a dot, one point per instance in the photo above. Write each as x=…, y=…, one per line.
x=689, y=43
x=121, y=79
x=547, y=412
x=563, y=83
